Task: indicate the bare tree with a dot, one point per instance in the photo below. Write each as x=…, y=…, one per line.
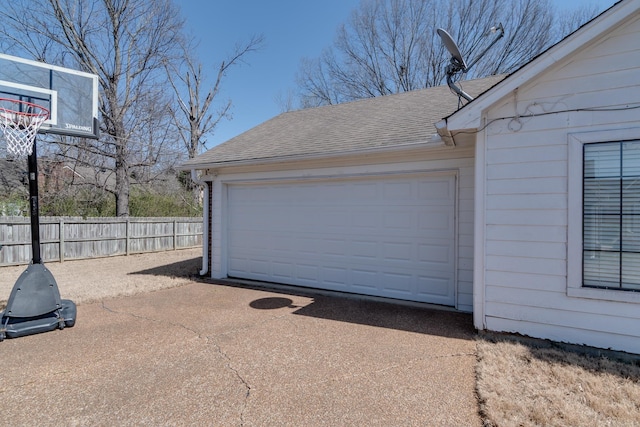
x=285, y=100
x=571, y=20
x=391, y=46
x=126, y=43
x=193, y=116
x=195, y=101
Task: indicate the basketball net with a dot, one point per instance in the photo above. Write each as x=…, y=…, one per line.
x=19, y=122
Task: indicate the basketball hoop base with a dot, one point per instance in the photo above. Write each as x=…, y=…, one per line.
x=34, y=305
x=15, y=327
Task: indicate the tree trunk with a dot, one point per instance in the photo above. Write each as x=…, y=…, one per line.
x=122, y=180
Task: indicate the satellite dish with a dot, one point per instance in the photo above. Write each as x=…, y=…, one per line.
x=457, y=63
x=452, y=47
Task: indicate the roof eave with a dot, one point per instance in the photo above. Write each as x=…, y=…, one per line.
x=434, y=143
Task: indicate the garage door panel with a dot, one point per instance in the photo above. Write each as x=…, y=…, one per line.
x=368, y=219
x=307, y=272
x=363, y=279
x=335, y=276
x=364, y=192
x=398, y=282
x=401, y=255
x=237, y=265
x=364, y=249
x=436, y=252
x=402, y=220
x=398, y=251
x=332, y=247
x=261, y=267
x=438, y=191
x=376, y=236
x=434, y=289
x=282, y=270
x=399, y=190
x=433, y=220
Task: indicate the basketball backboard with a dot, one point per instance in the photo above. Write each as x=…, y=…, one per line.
x=70, y=96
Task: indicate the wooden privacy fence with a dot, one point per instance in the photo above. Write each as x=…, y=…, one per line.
x=67, y=238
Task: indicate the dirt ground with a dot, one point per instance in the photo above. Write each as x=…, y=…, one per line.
x=85, y=281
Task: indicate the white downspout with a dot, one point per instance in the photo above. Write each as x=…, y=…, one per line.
x=205, y=222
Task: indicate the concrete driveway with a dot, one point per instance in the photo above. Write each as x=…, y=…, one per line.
x=222, y=355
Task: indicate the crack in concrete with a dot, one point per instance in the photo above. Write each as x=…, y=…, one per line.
x=208, y=339
x=244, y=382
x=149, y=319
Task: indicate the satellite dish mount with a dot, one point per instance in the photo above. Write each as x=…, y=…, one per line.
x=457, y=64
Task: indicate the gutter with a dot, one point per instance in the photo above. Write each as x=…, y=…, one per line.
x=205, y=222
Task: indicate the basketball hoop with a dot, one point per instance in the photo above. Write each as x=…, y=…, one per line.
x=20, y=121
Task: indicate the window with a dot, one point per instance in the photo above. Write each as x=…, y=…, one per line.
x=611, y=215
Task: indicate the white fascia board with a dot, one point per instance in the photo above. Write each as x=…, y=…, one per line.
x=470, y=116
x=431, y=143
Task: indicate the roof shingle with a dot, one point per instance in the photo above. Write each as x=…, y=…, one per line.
x=385, y=121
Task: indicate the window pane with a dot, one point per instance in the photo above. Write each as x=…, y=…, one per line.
x=601, y=269
x=631, y=159
x=631, y=271
x=631, y=215
x=602, y=196
x=631, y=196
x=602, y=160
x=631, y=233
x=602, y=232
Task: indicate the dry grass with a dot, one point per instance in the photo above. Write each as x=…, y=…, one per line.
x=522, y=382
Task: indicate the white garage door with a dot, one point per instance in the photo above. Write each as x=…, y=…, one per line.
x=391, y=236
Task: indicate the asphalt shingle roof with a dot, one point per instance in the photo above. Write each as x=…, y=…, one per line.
x=385, y=121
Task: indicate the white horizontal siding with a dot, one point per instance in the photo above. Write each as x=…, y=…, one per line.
x=535, y=250
x=525, y=264
x=526, y=233
x=565, y=334
x=528, y=186
x=526, y=196
x=526, y=154
x=519, y=280
x=517, y=201
x=527, y=217
x=538, y=301
x=548, y=168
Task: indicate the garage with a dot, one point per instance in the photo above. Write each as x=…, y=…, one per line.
x=389, y=235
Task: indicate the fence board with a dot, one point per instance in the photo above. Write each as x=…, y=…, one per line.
x=67, y=238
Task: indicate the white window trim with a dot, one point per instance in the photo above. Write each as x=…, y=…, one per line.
x=575, y=215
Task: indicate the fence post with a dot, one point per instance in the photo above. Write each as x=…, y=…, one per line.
x=175, y=234
x=61, y=239
x=127, y=238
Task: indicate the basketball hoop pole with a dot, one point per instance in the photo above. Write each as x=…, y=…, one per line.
x=32, y=161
